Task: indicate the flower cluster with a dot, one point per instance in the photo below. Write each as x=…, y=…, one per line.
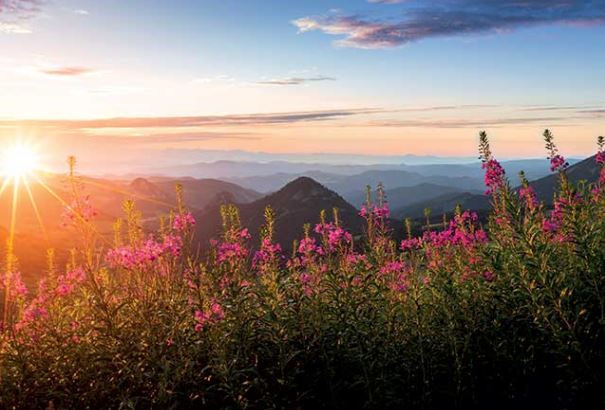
x=494, y=176
x=80, y=210
x=183, y=222
x=558, y=163
x=528, y=195
x=336, y=236
x=267, y=253
x=141, y=256
x=375, y=211
x=14, y=283
x=67, y=282
x=205, y=317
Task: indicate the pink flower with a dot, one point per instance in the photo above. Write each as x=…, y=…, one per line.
x=529, y=197
x=409, y=244
x=231, y=251
x=78, y=211
x=183, y=222
x=215, y=314
x=377, y=212
x=336, y=236
x=600, y=158
x=558, y=163
x=494, y=176
x=267, y=253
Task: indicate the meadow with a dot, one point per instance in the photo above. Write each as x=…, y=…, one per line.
x=470, y=314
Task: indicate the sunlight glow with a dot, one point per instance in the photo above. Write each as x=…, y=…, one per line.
x=18, y=161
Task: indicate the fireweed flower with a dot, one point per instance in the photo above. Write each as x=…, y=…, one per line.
x=374, y=211
x=410, y=244
x=494, y=176
x=13, y=280
x=267, y=253
x=141, y=256
x=528, y=195
x=204, y=317
x=67, y=283
x=229, y=251
x=80, y=210
x=182, y=222
x=336, y=236
x=558, y=163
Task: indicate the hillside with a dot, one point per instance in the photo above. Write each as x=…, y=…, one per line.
x=297, y=203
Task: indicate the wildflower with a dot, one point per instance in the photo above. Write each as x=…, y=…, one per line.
x=336, y=236
x=268, y=252
x=78, y=211
x=204, y=317
x=374, y=211
x=229, y=251
x=17, y=288
x=182, y=222
x=558, y=163
x=528, y=195
x=410, y=244
x=494, y=176
x=488, y=275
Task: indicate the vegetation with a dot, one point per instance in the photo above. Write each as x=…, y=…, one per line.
x=463, y=316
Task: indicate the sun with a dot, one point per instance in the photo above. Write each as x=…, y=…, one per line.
x=18, y=161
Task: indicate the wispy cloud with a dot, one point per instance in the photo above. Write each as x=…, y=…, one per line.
x=14, y=15
x=445, y=18
x=296, y=80
x=67, y=71
x=196, y=121
x=387, y=1
x=81, y=12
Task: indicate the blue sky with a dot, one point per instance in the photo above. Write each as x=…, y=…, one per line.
x=404, y=72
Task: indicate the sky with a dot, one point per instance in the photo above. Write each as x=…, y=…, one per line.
x=126, y=81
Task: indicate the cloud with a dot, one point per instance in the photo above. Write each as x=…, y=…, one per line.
x=387, y=1
x=296, y=80
x=447, y=18
x=81, y=12
x=14, y=15
x=67, y=71
x=463, y=123
x=14, y=28
x=196, y=121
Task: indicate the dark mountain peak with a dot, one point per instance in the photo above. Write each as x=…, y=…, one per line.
x=586, y=170
x=305, y=189
x=144, y=187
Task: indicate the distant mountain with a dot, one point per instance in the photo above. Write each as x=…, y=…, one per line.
x=533, y=168
x=586, y=170
x=351, y=187
x=545, y=188
x=198, y=193
x=238, y=169
x=443, y=204
x=273, y=182
x=405, y=196
x=297, y=203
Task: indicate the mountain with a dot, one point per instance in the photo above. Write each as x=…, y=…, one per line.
x=443, y=204
x=354, y=186
x=297, y=203
x=405, y=196
x=273, y=182
x=586, y=170
x=153, y=198
x=545, y=188
x=198, y=193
